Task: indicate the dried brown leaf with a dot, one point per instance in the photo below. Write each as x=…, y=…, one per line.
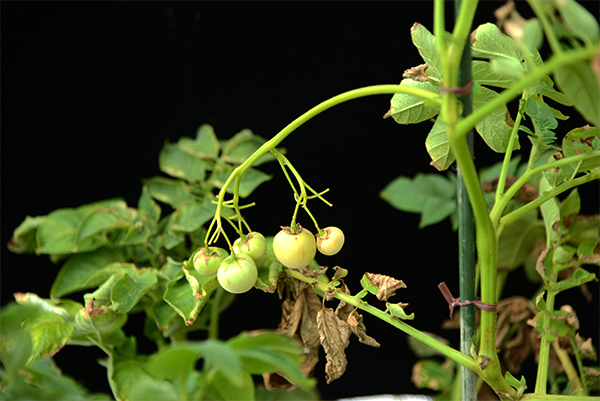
x=344, y=309
x=387, y=285
x=418, y=73
x=355, y=321
x=586, y=348
x=339, y=273
x=335, y=337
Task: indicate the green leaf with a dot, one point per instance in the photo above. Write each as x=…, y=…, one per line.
x=507, y=68
x=270, y=352
x=174, y=362
x=542, y=118
x=191, y=215
x=396, y=310
x=483, y=73
x=580, y=276
x=49, y=333
x=242, y=145
x=411, y=109
x=146, y=388
x=147, y=206
x=177, y=163
x=579, y=83
x=83, y=271
x=220, y=355
x=127, y=373
x=490, y=42
x=100, y=221
x=533, y=34
x=137, y=234
x=250, y=181
x=219, y=389
x=495, y=128
x=181, y=298
x=201, y=285
x=65, y=308
x=579, y=21
x=550, y=211
x=431, y=195
x=426, y=44
x=166, y=190
x=205, y=145
x=57, y=233
x=129, y=289
x=438, y=146
x=547, y=90
x=23, y=239
x=432, y=374
x=518, y=239
x=571, y=204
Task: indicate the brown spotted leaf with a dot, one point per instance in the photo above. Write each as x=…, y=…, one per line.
x=335, y=337
x=387, y=285
x=355, y=320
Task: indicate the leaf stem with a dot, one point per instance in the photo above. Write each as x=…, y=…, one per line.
x=507, y=157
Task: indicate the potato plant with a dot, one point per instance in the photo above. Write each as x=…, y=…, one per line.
x=178, y=265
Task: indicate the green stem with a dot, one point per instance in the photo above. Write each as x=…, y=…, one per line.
x=500, y=205
x=580, y=367
x=507, y=158
x=541, y=380
x=548, y=28
x=321, y=107
x=213, y=328
x=523, y=210
x=556, y=61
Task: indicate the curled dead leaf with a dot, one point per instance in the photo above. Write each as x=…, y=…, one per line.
x=418, y=73
x=387, y=285
x=355, y=321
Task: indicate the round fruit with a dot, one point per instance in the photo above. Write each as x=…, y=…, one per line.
x=331, y=242
x=237, y=273
x=294, y=249
x=207, y=260
x=254, y=245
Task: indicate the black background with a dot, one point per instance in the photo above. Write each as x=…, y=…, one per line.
x=90, y=92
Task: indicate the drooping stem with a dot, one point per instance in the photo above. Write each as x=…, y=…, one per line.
x=321, y=107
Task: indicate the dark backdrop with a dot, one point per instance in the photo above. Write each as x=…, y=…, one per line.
x=90, y=91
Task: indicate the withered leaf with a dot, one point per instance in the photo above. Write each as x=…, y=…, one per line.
x=387, y=285
x=418, y=73
x=586, y=348
x=344, y=309
x=335, y=337
x=355, y=320
x=339, y=273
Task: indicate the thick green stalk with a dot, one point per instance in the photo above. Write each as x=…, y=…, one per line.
x=466, y=224
x=487, y=252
